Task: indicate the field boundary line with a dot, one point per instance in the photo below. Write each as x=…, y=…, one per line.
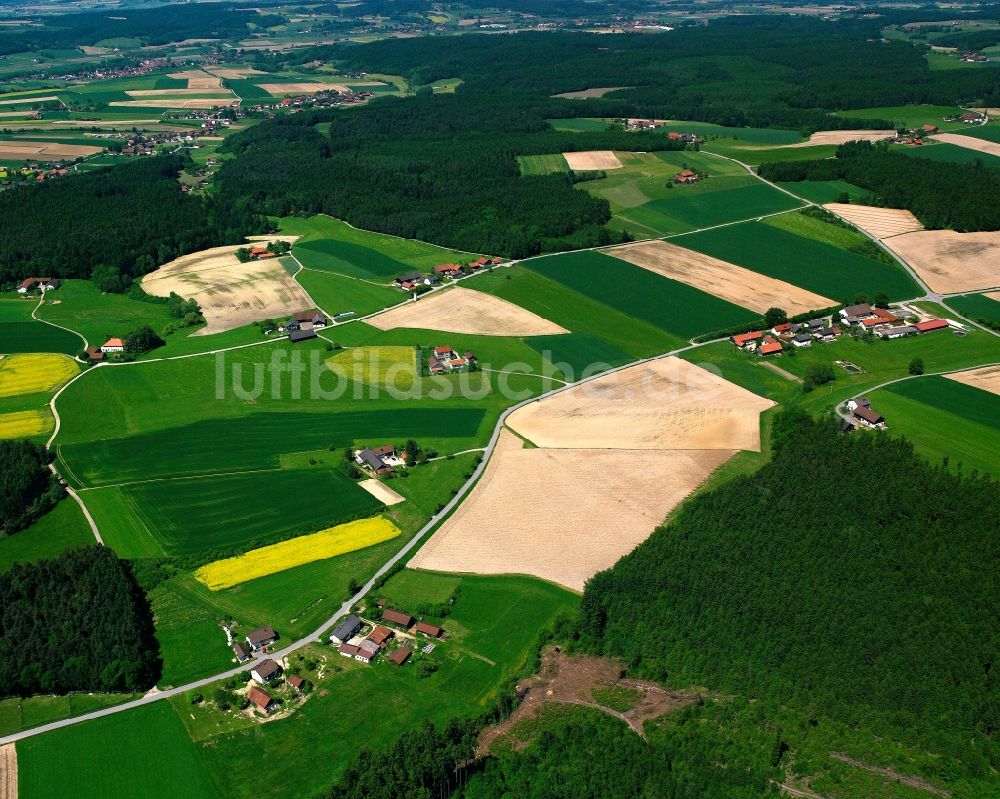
x=128, y=483
x=41, y=302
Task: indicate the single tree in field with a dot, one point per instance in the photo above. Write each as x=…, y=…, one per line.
x=775, y=316
x=860, y=297
x=412, y=451
x=917, y=366
x=881, y=300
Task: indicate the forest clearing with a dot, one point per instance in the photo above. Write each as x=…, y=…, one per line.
x=462, y=310
x=592, y=160
x=662, y=405
x=554, y=524
x=231, y=294
x=728, y=281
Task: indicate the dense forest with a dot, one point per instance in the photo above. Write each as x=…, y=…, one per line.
x=78, y=622
x=940, y=195
x=847, y=576
x=132, y=217
x=172, y=23
x=442, y=168
x=27, y=488
x=755, y=71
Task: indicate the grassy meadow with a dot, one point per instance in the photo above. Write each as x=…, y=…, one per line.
x=643, y=202
x=20, y=333
x=977, y=306
x=329, y=245
x=61, y=529
x=945, y=419
x=341, y=296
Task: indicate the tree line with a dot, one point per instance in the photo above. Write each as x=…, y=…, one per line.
x=126, y=219
x=78, y=622
x=27, y=488
x=940, y=195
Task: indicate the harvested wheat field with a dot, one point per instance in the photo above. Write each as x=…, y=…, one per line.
x=279, y=89
x=234, y=73
x=462, y=310
x=19, y=100
x=969, y=142
x=231, y=294
x=664, y=404
x=878, y=222
x=18, y=150
x=948, y=261
x=840, y=137
x=198, y=79
x=177, y=93
x=566, y=514
x=987, y=378
x=8, y=772
x=594, y=159
x=381, y=492
x=181, y=102
x=728, y=281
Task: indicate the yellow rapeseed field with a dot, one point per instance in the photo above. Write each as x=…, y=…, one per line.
x=31, y=373
x=295, y=552
x=23, y=423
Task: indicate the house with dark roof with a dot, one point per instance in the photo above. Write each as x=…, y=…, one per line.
x=397, y=617
x=241, y=652
x=852, y=313
x=409, y=279
x=370, y=460
x=301, y=335
x=261, y=637
x=895, y=331
x=802, y=340
x=265, y=671
x=345, y=630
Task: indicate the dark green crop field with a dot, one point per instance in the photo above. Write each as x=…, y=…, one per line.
x=348, y=258
x=577, y=351
x=827, y=270
x=226, y=513
x=671, y=306
x=254, y=442
x=977, y=306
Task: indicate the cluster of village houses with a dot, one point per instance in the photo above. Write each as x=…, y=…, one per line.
x=861, y=317
x=264, y=671
x=303, y=325
x=352, y=642
x=42, y=284
x=416, y=280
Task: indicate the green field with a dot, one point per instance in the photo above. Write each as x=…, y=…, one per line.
x=673, y=307
x=944, y=418
x=81, y=306
x=577, y=312
x=338, y=295
x=950, y=154
x=20, y=333
x=578, y=351
x=24, y=713
x=826, y=191
x=542, y=164
x=253, y=442
x=643, y=203
x=329, y=245
x=820, y=267
x=133, y=755
x=705, y=130
x=907, y=116
x=990, y=132
x=977, y=306
x=60, y=529
x=224, y=513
